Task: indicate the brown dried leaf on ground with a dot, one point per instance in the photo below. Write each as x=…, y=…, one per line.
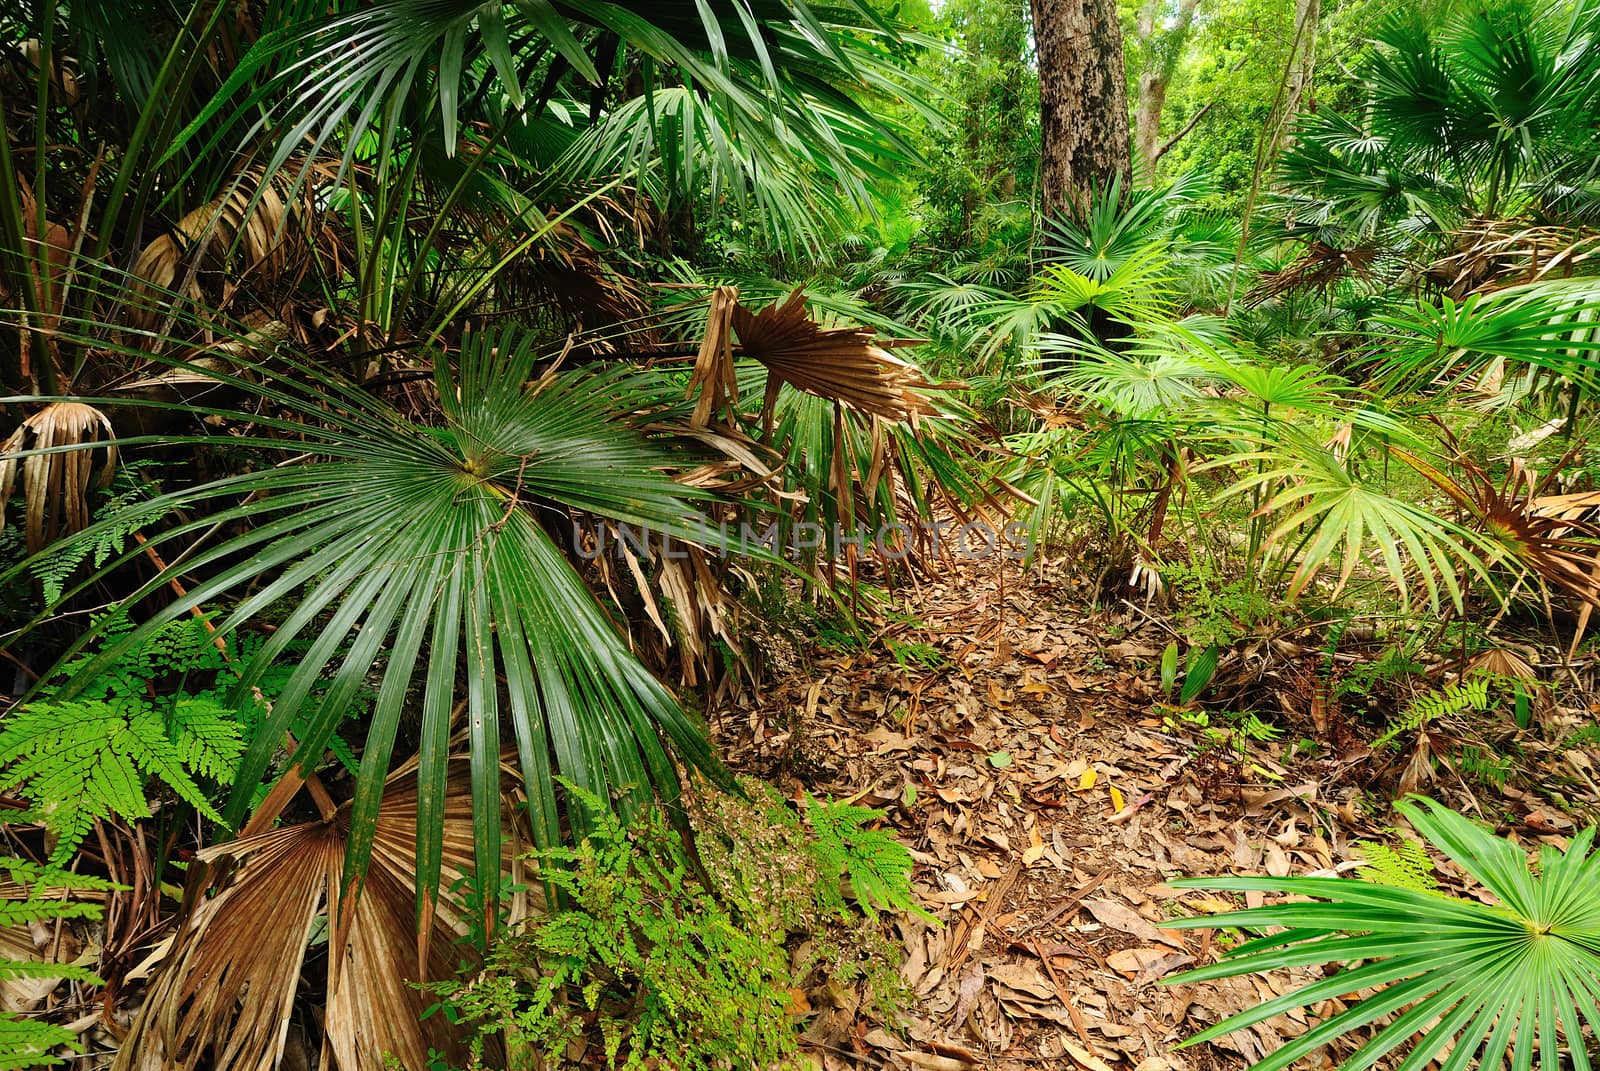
x=998, y=761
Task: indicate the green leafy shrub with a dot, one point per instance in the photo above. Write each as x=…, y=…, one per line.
x=664, y=963
x=1515, y=978
x=29, y=1042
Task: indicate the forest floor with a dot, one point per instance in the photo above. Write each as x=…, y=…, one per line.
x=1015, y=739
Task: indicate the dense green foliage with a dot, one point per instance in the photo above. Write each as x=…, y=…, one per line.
x=391, y=389
x=655, y=963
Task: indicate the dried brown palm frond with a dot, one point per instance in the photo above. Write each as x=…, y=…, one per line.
x=700, y=610
x=1561, y=550
x=1572, y=508
x=714, y=374
x=842, y=364
x=1507, y=665
x=1318, y=268
x=174, y=385
x=1490, y=254
x=244, y=231
x=49, y=255
x=675, y=586
x=847, y=453
x=1567, y=507
x=55, y=486
x=222, y=994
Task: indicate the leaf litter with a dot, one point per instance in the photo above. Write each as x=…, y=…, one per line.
x=1047, y=802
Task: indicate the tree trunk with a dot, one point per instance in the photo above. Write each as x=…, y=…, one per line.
x=1083, y=101
x=1147, y=121
x=1159, y=50
x=1297, y=76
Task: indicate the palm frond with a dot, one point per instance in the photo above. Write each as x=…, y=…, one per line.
x=224, y=985
x=1551, y=326
x=1323, y=510
x=400, y=537
x=55, y=451
x=1464, y=982
x=843, y=364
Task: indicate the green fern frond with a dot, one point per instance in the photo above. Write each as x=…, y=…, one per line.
x=87, y=759
x=877, y=866
x=24, y=872
x=1483, y=765
x=1400, y=862
x=67, y=972
x=125, y=517
x=28, y=1042
x=22, y=912
x=209, y=741
x=1468, y=693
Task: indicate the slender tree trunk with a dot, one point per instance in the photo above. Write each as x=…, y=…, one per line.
x=1302, y=66
x=1159, y=50
x=1147, y=121
x=1083, y=101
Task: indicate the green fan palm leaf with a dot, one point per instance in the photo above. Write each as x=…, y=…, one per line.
x=1323, y=508
x=769, y=81
x=1515, y=979
x=1551, y=326
x=420, y=555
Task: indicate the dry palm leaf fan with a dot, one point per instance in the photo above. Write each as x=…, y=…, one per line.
x=246, y=228
x=849, y=365
x=55, y=486
x=225, y=984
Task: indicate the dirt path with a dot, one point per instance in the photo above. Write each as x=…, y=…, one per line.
x=1009, y=735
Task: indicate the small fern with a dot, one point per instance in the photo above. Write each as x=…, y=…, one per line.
x=28, y=1042
x=657, y=961
x=1401, y=862
x=86, y=759
x=127, y=510
x=166, y=709
x=1484, y=766
x=1470, y=692
x=877, y=866
x=82, y=759
x=640, y=958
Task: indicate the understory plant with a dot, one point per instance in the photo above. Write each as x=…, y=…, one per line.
x=1446, y=978
x=48, y=895
x=164, y=711
x=660, y=959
